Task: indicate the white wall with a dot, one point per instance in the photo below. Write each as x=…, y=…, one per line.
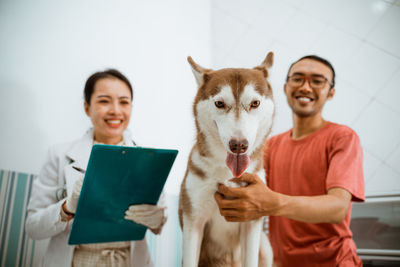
x=360, y=37
x=49, y=48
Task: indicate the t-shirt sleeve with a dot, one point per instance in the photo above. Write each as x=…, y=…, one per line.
x=267, y=156
x=346, y=166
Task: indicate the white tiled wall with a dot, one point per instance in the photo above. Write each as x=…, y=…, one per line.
x=362, y=40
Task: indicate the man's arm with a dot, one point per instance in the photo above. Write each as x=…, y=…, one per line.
x=257, y=200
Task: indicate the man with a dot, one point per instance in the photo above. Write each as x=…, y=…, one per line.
x=314, y=172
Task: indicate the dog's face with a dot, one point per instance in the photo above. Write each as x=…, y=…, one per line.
x=234, y=108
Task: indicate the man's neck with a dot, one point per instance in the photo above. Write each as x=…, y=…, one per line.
x=304, y=126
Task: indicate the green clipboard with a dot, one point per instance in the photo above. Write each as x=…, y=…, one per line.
x=117, y=177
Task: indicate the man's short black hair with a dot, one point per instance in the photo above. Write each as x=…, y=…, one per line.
x=109, y=73
x=319, y=59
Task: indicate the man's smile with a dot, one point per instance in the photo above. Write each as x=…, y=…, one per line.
x=304, y=99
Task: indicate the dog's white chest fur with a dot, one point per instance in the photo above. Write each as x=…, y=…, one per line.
x=220, y=239
x=224, y=236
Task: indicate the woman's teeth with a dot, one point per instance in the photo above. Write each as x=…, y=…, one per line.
x=113, y=121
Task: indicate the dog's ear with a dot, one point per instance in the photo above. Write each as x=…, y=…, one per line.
x=198, y=71
x=266, y=64
x=268, y=61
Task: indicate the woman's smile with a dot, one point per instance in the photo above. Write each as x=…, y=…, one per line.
x=114, y=123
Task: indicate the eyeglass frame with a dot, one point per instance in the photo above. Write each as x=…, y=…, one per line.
x=308, y=77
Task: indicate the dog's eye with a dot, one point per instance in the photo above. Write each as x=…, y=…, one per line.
x=219, y=104
x=255, y=104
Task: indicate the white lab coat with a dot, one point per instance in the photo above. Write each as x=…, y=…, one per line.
x=43, y=219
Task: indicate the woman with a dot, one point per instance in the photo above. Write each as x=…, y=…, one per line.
x=108, y=103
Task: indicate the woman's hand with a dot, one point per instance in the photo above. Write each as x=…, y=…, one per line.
x=151, y=216
x=72, y=201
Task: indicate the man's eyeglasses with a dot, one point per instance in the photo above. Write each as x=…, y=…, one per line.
x=315, y=81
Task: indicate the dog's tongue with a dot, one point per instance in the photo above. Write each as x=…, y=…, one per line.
x=237, y=163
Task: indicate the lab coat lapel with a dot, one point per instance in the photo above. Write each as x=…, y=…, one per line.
x=128, y=138
x=78, y=156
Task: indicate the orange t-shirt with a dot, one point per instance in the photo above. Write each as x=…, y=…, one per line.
x=330, y=157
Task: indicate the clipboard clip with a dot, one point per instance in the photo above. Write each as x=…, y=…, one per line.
x=79, y=169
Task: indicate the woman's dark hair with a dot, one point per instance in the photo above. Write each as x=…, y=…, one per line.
x=110, y=73
x=319, y=59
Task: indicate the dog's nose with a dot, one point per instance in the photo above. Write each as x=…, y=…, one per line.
x=238, y=146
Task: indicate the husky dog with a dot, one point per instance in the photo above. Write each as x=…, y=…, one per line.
x=233, y=112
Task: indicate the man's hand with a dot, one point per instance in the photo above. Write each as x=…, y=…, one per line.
x=256, y=200
x=246, y=203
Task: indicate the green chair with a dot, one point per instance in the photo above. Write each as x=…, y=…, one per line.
x=16, y=248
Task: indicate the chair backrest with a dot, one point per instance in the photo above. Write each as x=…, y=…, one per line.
x=16, y=248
